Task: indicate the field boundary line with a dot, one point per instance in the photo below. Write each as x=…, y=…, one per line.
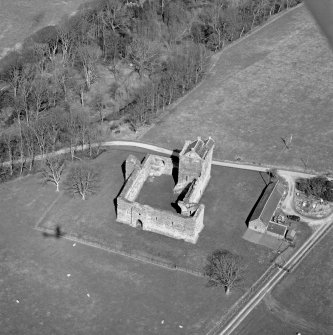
x=48, y=209
x=259, y=28
x=122, y=253
x=214, y=60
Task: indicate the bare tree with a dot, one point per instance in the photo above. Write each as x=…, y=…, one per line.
x=224, y=269
x=82, y=180
x=13, y=78
x=213, y=17
x=287, y=142
x=53, y=170
x=30, y=143
x=115, y=15
x=88, y=55
x=39, y=94
x=66, y=41
x=9, y=138
x=143, y=54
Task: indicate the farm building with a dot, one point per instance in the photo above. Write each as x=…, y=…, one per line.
x=266, y=217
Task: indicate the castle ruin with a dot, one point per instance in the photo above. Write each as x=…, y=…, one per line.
x=193, y=172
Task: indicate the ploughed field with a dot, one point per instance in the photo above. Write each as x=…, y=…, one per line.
x=20, y=18
x=275, y=84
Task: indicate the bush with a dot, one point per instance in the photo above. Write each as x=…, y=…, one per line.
x=319, y=187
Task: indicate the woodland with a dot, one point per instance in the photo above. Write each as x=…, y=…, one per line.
x=113, y=64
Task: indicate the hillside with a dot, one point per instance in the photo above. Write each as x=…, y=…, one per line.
x=21, y=18
x=275, y=83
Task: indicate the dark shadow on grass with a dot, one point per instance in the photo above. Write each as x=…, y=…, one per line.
x=248, y=219
x=57, y=233
x=175, y=163
x=123, y=167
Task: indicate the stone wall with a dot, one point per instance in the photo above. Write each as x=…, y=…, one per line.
x=188, y=170
x=130, y=164
x=195, y=193
x=159, y=165
x=161, y=221
x=257, y=225
x=155, y=220
x=124, y=210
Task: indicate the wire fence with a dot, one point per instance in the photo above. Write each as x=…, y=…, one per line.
x=117, y=248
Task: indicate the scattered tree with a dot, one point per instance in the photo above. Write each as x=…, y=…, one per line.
x=224, y=269
x=82, y=180
x=53, y=170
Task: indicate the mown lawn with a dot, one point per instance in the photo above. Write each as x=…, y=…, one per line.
x=50, y=286
x=125, y=296
x=274, y=84
x=228, y=198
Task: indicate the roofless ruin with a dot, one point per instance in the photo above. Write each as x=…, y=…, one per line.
x=189, y=173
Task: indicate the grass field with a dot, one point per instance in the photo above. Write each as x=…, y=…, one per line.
x=104, y=294
x=275, y=83
x=302, y=302
x=21, y=18
x=229, y=198
x=53, y=286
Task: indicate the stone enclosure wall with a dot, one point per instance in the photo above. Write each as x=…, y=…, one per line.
x=161, y=221
x=155, y=220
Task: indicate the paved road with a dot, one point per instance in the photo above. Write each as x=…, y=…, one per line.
x=132, y=145
x=280, y=273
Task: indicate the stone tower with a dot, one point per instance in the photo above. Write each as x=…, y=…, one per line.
x=195, y=161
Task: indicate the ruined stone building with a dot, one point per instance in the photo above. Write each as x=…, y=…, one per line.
x=193, y=174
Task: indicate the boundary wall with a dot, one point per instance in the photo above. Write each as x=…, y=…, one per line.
x=152, y=219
